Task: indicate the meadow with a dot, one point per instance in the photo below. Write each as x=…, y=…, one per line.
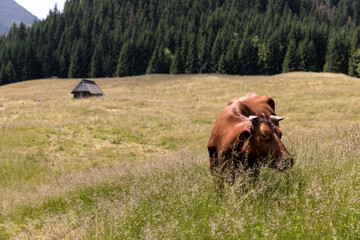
x=134, y=164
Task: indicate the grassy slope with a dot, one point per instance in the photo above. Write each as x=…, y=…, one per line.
x=134, y=164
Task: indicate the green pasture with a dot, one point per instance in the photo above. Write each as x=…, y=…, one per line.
x=133, y=165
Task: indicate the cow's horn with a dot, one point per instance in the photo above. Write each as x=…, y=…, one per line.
x=252, y=118
x=276, y=118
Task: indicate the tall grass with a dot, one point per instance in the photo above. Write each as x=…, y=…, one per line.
x=174, y=198
x=134, y=164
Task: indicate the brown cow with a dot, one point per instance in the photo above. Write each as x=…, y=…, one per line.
x=245, y=135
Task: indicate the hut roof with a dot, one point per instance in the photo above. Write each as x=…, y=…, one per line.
x=87, y=86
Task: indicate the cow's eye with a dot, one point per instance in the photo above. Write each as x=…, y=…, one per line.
x=263, y=136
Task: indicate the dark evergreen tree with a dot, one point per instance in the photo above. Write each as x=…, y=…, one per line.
x=354, y=53
x=274, y=53
x=320, y=35
x=191, y=63
x=30, y=67
x=3, y=75
x=292, y=59
x=248, y=56
x=143, y=51
x=10, y=74
x=77, y=67
x=307, y=56
x=96, y=64
x=160, y=61
x=125, y=63
x=221, y=65
x=337, y=58
x=217, y=50
x=232, y=61
x=19, y=60
x=204, y=55
x=64, y=63
x=356, y=63
x=177, y=64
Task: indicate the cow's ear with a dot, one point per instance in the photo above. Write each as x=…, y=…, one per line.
x=246, y=132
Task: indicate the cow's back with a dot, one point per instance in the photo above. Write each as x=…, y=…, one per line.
x=252, y=104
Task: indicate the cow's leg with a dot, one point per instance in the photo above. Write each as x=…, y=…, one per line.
x=250, y=176
x=235, y=168
x=219, y=185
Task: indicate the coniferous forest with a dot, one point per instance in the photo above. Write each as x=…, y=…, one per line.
x=106, y=38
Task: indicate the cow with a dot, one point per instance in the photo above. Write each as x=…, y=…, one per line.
x=245, y=136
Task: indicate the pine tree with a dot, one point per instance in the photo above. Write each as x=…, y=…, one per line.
x=217, y=51
x=12, y=34
x=3, y=75
x=143, y=51
x=77, y=67
x=21, y=32
x=30, y=68
x=274, y=53
x=356, y=63
x=10, y=73
x=307, y=55
x=191, y=63
x=19, y=60
x=204, y=55
x=232, y=60
x=64, y=62
x=109, y=66
x=337, y=58
x=96, y=64
x=354, y=51
x=177, y=66
x=263, y=55
x=291, y=62
x=248, y=56
x=160, y=61
x=125, y=65
x=221, y=65
x=320, y=38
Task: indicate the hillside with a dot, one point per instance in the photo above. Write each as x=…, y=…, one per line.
x=134, y=164
x=10, y=12
x=106, y=38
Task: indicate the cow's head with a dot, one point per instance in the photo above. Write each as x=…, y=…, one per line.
x=261, y=141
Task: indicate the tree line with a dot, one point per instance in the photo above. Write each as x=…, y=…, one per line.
x=106, y=38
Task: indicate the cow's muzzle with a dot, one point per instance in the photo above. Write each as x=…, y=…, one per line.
x=283, y=163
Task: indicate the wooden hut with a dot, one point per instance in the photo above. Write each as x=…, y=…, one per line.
x=87, y=88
